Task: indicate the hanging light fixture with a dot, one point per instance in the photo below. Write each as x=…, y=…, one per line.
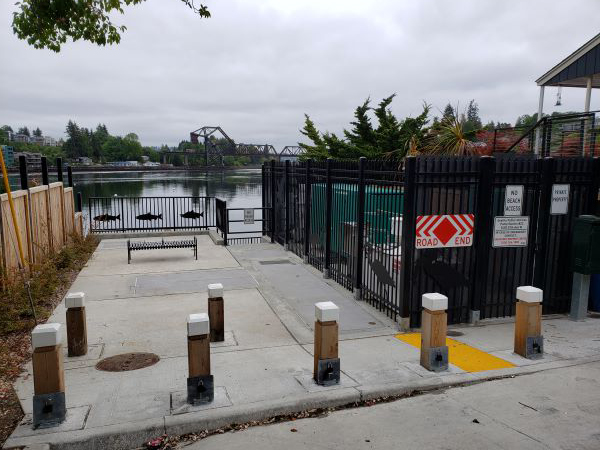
x=559, y=96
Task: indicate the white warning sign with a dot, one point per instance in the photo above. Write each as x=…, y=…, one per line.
x=560, y=199
x=513, y=201
x=248, y=216
x=511, y=231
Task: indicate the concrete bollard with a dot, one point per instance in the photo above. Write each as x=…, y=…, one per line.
x=200, y=384
x=49, y=406
x=326, y=363
x=216, y=312
x=529, y=341
x=76, y=324
x=434, y=323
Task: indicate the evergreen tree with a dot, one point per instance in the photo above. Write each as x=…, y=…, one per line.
x=448, y=112
x=37, y=132
x=24, y=130
x=473, y=121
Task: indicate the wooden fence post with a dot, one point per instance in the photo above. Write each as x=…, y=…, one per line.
x=49, y=407
x=216, y=313
x=434, y=323
x=326, y=360
x=200, y=383
x=529, y=342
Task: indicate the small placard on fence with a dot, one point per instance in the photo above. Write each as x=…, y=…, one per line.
x=513, y=201
x=448, y=230
x=560, y=199
x=248, y=216
x=511, y=231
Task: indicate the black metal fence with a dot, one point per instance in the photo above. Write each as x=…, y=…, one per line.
x=120, y=214
x=241, y=225
x=357, y=222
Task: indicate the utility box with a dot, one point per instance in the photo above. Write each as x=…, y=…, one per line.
x=586, y=245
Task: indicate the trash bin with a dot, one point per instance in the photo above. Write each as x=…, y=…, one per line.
x=595, y=293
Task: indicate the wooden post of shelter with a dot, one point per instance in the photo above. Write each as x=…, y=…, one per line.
x=326, y=359
x=434, y=322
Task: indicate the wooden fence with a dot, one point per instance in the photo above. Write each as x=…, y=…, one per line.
x=46, y=220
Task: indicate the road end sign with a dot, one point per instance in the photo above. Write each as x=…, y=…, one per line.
x=448, y=230
x=511, y=231
x=513, y=201
x=248, y=216
x=560, y=199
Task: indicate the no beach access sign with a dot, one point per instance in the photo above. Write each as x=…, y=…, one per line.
x=448, y=230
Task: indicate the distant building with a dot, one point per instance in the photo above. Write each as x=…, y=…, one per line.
x=34, y=160
x=84, y=161
x=145, y=158
x=50, y=141
x=17, y=137
x=151, y=164
x=123, y=163
x=8, y=153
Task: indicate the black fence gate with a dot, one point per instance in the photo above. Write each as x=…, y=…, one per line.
x=357, y=221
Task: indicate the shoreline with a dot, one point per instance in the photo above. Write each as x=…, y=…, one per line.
x=99, y=169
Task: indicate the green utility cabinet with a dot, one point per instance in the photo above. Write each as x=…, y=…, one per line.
x=382, y=204
x=586, y=245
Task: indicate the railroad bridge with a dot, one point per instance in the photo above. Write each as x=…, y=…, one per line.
x=218, y=144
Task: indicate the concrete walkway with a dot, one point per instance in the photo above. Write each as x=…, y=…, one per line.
x=264, y=367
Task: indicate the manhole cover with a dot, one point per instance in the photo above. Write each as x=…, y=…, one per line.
x=454, y=333
x=127, y=361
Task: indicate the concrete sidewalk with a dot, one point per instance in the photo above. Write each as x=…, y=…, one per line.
x=264, y=367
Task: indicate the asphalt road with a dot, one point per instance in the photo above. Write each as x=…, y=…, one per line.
x=554, y=409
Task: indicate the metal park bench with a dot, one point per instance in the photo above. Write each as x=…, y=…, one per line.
x=158, y=245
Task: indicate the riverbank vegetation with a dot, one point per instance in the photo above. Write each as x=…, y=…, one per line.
x=25, y=300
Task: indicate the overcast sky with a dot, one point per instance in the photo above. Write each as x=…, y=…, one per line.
x=257, y=66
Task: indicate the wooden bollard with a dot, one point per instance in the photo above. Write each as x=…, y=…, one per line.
x=76, y=324
x=326, y=362
x=529, y=341
x=216, y=312
x=200, y=385
x=49, y=407
x=434, y=322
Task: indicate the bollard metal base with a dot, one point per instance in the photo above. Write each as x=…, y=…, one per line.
x=436, y=358
x=534, y=348
x=200, y=390
x=328, y=372
x=49, y=410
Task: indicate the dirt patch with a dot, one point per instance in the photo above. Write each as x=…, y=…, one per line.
x=48, y=285
x=127, y=361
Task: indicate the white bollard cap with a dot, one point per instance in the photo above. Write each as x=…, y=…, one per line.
x=530, y=294
x=215, y=290
x=75, y=300
x=46, y=335
x=198, y=324
x=434, y=301
x=327, y=312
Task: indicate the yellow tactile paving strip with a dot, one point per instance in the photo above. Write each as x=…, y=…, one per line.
x=468, y=358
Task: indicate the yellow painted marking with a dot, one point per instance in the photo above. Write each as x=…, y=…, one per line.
x=469, y=359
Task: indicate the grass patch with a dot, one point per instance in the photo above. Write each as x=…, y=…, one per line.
x=48, y=283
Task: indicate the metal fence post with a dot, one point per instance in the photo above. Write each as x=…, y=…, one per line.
x=273, y=208
x=59, y=169
x=263, y=194
x=23, y=172
x=409, y=220
x=45, y=180
x=307, y=205
x=593, y=203
x=226, y=227
x=70, y=176
x=483, y=231
x=286, y=182
x=79, y=202
x=360, y=229
x=546, y=169
x=328, y=195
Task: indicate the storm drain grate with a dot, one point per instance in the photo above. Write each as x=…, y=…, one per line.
x=276, y=261
x=127, y=361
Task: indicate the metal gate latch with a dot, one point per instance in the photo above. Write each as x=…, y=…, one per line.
x=438, y=359
x=200, y=390
x=534, y=347
x=49, y=409
x=328, y=372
